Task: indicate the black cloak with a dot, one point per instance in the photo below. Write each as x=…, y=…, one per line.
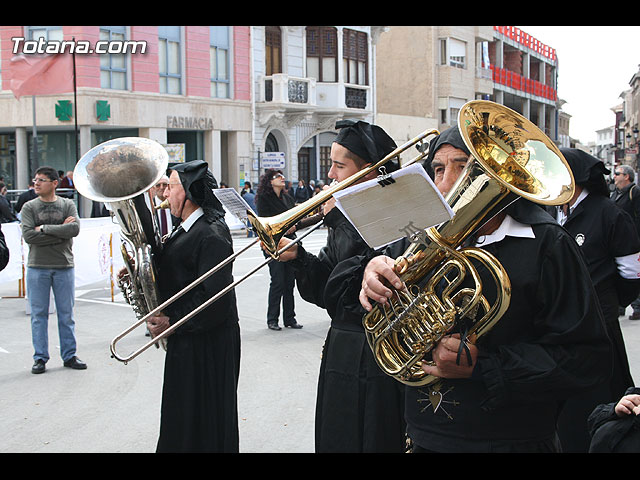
x=549, y=345
x=613, y=434
x=588, y=171
x=359, y=409
x=603, y=232
x=202, y=365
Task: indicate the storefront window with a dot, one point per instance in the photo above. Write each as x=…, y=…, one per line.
x=101, y=136
x=8, y=159
x=193, y=143
x=55, y=149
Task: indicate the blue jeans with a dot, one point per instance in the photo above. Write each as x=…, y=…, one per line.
x=40, y=281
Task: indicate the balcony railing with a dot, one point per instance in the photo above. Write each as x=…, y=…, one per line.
x=518, y=82
x=484, y=73
x=355, y=97
x=282, y=88
x=291, y=92
x=529, y=41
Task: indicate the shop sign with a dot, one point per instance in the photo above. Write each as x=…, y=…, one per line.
x=64, y=110
x=103, y=110
x=193, y=123
x=272, y=160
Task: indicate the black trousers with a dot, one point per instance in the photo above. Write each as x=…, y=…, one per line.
x=281, y=290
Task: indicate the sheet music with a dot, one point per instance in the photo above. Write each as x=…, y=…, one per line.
x=233, y=202
x=384, y=214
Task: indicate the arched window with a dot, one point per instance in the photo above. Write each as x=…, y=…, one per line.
x=271, y=144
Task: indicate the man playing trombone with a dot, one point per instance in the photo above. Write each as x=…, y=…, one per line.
x=199, y=398
x=351, y=386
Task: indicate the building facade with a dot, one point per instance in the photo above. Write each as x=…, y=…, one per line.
x=189, y=89
x=604, y=148
x=246, y=98
x=629, y=124
x=426, y=73
x=305, y=79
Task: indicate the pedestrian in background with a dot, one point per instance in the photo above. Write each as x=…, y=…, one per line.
x=166, y=220
x=24, y=197
x=4, y=251
x=302, y=193
x=247, y=188
x=627, y=197
x=249, y=196
x=271, y=200
x=49, y=224
x=6, y=211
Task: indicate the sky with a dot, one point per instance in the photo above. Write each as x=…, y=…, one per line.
x=595, y=65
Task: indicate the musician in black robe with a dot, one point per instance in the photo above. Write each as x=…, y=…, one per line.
x=608, y=239
x=503, y=394
x=358, y=407
x=199, y=397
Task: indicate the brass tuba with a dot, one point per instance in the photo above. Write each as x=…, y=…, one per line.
x=118, y=172
x=511, y=159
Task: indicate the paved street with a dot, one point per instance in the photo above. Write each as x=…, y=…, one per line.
x=112, y=407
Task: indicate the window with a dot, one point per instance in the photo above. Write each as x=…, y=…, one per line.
x=8, y=159
x=47, y=33
x=56, y=149
x=113, y=67
x=169, y=59
x=322, y=53
x=453, y=52
x=273, y=50
x=219, y=61
x=355, y=57
x=325, y=163
x=449, y=110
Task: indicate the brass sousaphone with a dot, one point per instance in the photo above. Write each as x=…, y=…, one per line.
x=511, y=159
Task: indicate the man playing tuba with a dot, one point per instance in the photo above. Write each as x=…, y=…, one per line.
x=504, y=394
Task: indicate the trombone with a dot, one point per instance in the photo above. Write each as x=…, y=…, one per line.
x=270, y=231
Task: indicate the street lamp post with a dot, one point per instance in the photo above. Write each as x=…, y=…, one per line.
x=635, y=137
